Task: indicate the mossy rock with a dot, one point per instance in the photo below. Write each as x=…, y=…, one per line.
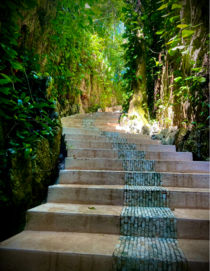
x=180, y=137
x=21, y=180
x=198, y=143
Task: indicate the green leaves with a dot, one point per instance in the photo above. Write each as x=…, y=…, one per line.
x=16, y=65
x=160, y=32
x=27, y=153
x=176, y=6
x=5, y=90
x=27, y=99
x=163, y=6
x=182, y=25
x=172, y=19
x=6, y=80
x=187, y=33
x=177, y=79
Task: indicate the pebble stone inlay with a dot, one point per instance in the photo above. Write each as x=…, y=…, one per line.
x=114, y=137
x=148, y=222
x=143, y=179
x=148, y=226
x=148, y=254
x=89, y=122
x=123, y=146
x=125, y=154
x=146, y=196
x=138, y=165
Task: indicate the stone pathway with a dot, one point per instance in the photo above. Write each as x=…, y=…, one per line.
x=147, y=224
x=123, y=203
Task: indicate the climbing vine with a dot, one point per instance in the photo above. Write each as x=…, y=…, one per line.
x=174, y=77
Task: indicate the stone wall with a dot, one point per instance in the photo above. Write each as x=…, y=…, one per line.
x=24, y=183
x=174, y=113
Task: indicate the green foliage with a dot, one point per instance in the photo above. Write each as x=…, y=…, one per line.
x=27, y=111
x=167, y=38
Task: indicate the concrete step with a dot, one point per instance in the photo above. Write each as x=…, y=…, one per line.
x=198, y=218
x=41, y=251
x=102, y=177
x=102, y=138
x=136, y=165
x=106, y=219
x=114, y=154
x=195, y=198
x=77, y=144
x=80, y=131
x=75, y=218
x=86, y=137
x=96, y=121
x=83, y=131
x=181, y=197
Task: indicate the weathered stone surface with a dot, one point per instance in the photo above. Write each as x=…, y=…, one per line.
x=167, y=136
x=195, y=141
x=180, y=137
x=27, y=183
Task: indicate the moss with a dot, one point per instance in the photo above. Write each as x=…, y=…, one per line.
x=198, y=143
x=21, y=180
x=1, y=135
x=27, y=183
x=180, y=137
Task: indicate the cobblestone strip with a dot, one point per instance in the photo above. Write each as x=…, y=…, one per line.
x=89, y=122
x=146, y=196
x=143, y=179
x=138, y=165
x=148, y=254
x=148, y=226
x=148, y=222
x=123, y=146
x=125, y=154
x=113, y=137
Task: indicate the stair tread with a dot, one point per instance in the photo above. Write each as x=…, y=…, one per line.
x=90, y=244
x=88, y=186
x=184, y=213
x=188, y=189
x=108, y=210
x=111, y=210
x=181, y=189
x=121, y=171
x=63, y=242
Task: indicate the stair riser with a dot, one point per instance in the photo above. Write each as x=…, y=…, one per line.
x=195, y=200
x=107, y=145
x=19, y=260
x=86, y=137
x=86, y=196
x=115, y=164
x=108, y=196
x=105, y=224
x=193, y=229
x=105, y=139
x=113, y=154
x=81, y=131
x=118, y=178
x=96, y=121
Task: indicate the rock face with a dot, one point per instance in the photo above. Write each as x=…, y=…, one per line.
x=167, y=136
x=196, y=141
x=26, y=184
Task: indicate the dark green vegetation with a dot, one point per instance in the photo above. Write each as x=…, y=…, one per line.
x=173, y=38
x=60, y=57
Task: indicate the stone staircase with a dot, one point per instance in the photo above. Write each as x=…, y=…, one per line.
x=124, y=202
